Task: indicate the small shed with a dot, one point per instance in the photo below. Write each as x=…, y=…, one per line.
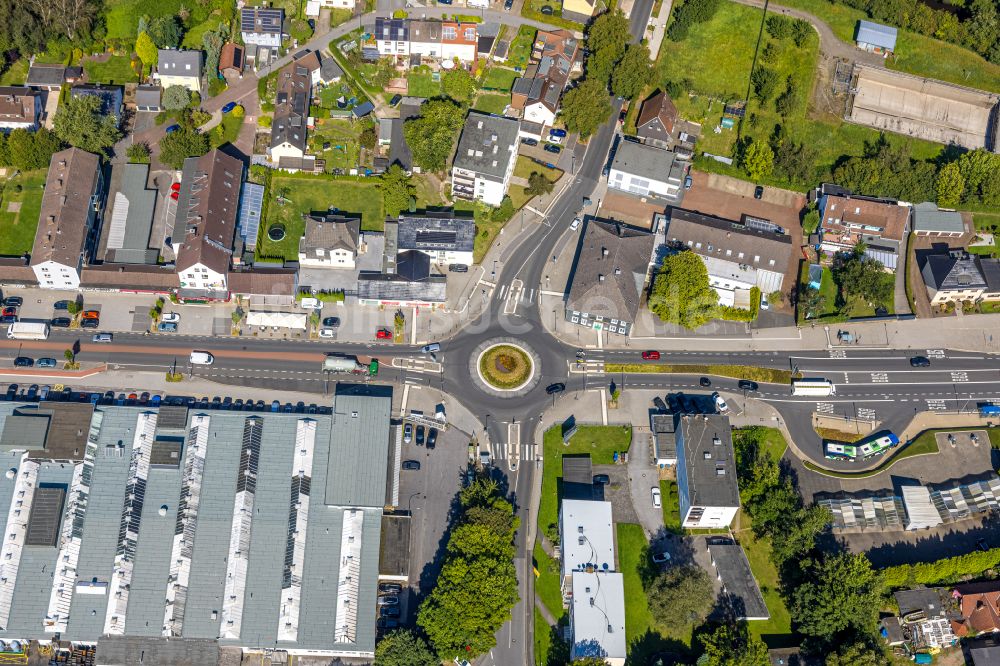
x=363, y=109
x=147, y=98
x=385, y=131
x=928, y=220
x=231, y=60
x=876, y=38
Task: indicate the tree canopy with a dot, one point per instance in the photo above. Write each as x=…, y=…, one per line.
x=165, y=31
x=21, y=28
x=404, y=648
x=138, y=153
x=606, y=40
x=146, y=50
x=681, y=294
x=176, y=98
x=538, y=184
x=178, y=146
x=633, y=72
x=950, y=185
x=431, y=135
x=80, y=122
x=732, y=644
x=28, y=150
x=840, y=598
x=586, y=107
x=458, y=84
x=758, y=160
x=397, y=190
x=680, y=597
x=861, y=276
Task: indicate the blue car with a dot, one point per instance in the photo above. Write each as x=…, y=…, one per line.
x=173, y=128
x=229, y=107
x=557, y=132
x=167, y=327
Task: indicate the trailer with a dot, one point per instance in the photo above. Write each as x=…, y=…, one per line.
x=989, y=411
x=813, y=387
x=27, y=330
x=347, y=364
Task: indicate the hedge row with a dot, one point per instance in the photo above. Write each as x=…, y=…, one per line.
x=947, y=570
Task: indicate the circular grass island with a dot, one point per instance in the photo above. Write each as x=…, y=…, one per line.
x=505, y=367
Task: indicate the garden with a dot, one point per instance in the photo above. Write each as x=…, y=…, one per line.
x=20, y=205
x=505, y=367
x=338, y=142
x=110, y=69
x=520, y=47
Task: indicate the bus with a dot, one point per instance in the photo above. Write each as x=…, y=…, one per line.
x=27, y=330
x=813, y=387
x=878, y=446
x=837, y=451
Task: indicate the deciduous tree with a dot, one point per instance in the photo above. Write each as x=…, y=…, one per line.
x=765, y=82
x=32, y=150
x=71, y=18
x=458, y=84
x=586, y=107
x=138, y=153
x=858, y=654
x=80, y=122
x=950, y=185
x=758, y=160
x=404, y=648
x=21, y=28
x=632, y=73
x=397, y=190
x=606, y=40
x=165, y=31
x=839, y=598
x=732, y=644
x=680, y=597
x=185, y=142
x=146, y=50
x=176, y=98
x=681, y=294
x=212, y=41
x=538, y=185
x=432, y=135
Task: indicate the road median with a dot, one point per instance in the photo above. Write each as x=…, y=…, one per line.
x=753, y=373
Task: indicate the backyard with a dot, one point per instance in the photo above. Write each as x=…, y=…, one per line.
x=491, y=103
x=16, y=74
x=114, y=69
x=520, y=47
x=421, y=82
x=501, y=78
x=831, y=294
x=305, y=195
x=23, y=194
x=336, y=141
x=714, y=61
x=226, y=131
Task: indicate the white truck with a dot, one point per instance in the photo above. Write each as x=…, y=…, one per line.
x=813, y=387
x=27, y=330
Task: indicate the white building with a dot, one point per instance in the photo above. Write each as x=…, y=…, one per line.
x=484, y=161
x=337, y=4
x=445, y=239
x=331, y=241
x=179, y=68
x=69, y=219
x=459, y=40
x=392, y=36
x=587, y=539
x=262, y=26
x=597, y=617
x=706, y=472
x=645, y=171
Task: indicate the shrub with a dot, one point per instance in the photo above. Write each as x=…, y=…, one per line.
x=947, y=570
x=778, y=26
x=691, y=13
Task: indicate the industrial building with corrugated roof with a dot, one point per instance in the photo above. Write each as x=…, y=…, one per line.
x=214, y=529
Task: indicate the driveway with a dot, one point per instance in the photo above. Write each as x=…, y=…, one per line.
x=643, y=476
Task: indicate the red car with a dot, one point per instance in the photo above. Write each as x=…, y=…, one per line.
x=651, y=356
x=175, y=187
x=9, y=312
x=383, y=334
x=174, y=195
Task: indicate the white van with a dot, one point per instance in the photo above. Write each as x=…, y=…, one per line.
x=201, y=358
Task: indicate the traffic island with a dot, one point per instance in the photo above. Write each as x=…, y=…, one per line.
x=505, y=367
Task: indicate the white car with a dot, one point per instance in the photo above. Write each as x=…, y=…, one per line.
x=575, y=224
x=327, y=333
x=764, y=305
x=656, y=497
x=201, y=358
x=661, y=558
x=171, y=318
x=311, y=304
x=720, y=403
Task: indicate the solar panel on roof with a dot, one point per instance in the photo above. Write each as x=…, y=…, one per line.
x=436, y=237
x=251, y=204
x=46, y=515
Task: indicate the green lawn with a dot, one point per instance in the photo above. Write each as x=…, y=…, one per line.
x=777, y=631
x=342, y=135
x=339, y=16
x=715, y=58
x=671, y=506
x=773, y=443
x=427, y=193
x=520, y=47
x=500, y=78
x=122, y=16
x=547, y=583
x=16, y=74
x=986, y=221
x=525, y=166
x=599, y=441
x=17, y=229
x=494, y=104
x=543, y=639
x=230, y=130
x=193, y=37
x=532, y=10
x=117, y=70
x=316, y=194
x=421, y=83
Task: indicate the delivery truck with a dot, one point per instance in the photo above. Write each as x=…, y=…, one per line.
x=347, y=364
x=27, y=330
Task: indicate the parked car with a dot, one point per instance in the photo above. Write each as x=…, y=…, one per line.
x=327, y=333
x=388, y=600
x=602, y=479
x=13, y=301
x=102, y=337
x=60, y=322
x=90, y=323
x=387, y=623
x=432, y=438
x=32, y=391
x=393, y=611
x=275, y=406
x=411, y=464
x=420, y=435
x=61, y=305
x=720, y=403
x=331, y=322
x=764, y=305
x=431, y=348
x=229, y=107
x=43, y=394
x=546, y=9
x=688, y=182
x=175, y=187
x=408, y=433
x=167, y=327
x=311, y=304
x=23, y=362
x=575, y=224
x=390, y=588
x=529, y=142
x=8, y=319
x=551, y=148
x=747, y=385
x=171, y=318
x=651, y=355
x=558, y=387
x=758, y=192
x=396, y=99
x=659, y=404
x=383, y=334
x=458, y=268
x=555, y=131
x=91, y=314
x=656, y=497
x=9, y=312
x=173, y=128
x=920, y=362
x=507, y=5
x=46, y=362
x=661, y=558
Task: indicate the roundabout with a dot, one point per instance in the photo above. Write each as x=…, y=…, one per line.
x=504, y=367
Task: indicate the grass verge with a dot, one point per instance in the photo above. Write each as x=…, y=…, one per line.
x=505, y=367
x=840, y=435
x=671, y=506
x=753, y=373
x=547, y=584
x=922, y=445
x=777, y=631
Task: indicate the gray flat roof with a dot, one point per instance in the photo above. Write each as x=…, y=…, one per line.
x=644, y=161
x=488, y=144
x=927, y=217
x=156, y=651
x=360, y=434
x=740, y=587
x=710, y=462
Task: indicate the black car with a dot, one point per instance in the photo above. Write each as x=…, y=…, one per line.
x=458, y=268
x=61, y=305
x=747, y=385
x=60, y=322
x=529, y=142
x=13, y=302
x=547, y=10
x=758, y=192
x=391, y=611
x=705, y=381
x=420, y=435
x=558, y=387
x=11, y=391
x=23, y=362
x=507, y=4
x=659, y=404
x=920, y=362
x=601, y=479
x=411, y=464
x=432, y=438
x=396, y=99
x=8, y=319
x=390, y=588
x=552, y=148
x=387, y=623
x=90, y=323
x=332, y=322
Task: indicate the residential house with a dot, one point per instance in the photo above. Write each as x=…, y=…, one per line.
x=485, y=158
x=20, y=108
x=444, y=40
x=262, y=26
x=656, y=121
x=147, y=98
x=392, y=36
x=69, y=220
x=425, y=38
x=232, y=60
x=265, y=286
x=929, y=220
x=706, y=472
x=459, y=41
x=645, y=171
x=337, y=4
x=847, y=219
x=980, y=606
x=205, y=225
x=587, y=537
x=925, y=614
x=322, y=69
x=488, y=33
x=112, y=98
x=958, y=276
x=444, y=238
x=738, y=255
x=291, y=111
x=609, y=275
x=876, y=38
x=407, y=280
x=555, y=54
x=580, y=10
x=739, y=587
x=128, y=238
x=331, y=241
x=49, y=77
x=983, y=651
x=177, y=67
